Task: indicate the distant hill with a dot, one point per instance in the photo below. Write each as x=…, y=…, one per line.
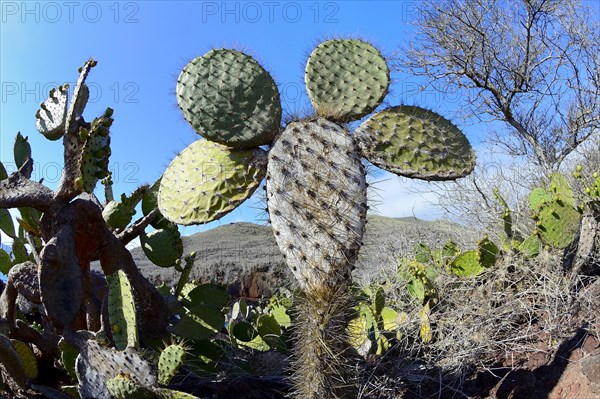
x=246, y=255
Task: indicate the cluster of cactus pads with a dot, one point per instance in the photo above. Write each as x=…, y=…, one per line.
x=315, y=177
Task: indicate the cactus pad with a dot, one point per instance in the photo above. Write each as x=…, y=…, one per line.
x=163, y=247
x=207, y=181
x=11, y=361
x=22, y=150
x=537, y=198
x=117, y=214
x=124, y=386
x=488, y=251
x=171, y=359
x=121, y=311
x=346, y=79
x=558, y=223
x=52, y=115
x=316, y=197
x=28, y=360
x=95, y=154
x=467, y=265
x=229, y=98
x=96, y=365
x=416, y=143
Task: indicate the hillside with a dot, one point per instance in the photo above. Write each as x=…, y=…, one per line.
x=248, y=250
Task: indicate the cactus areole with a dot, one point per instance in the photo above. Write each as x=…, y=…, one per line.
x=315, y=179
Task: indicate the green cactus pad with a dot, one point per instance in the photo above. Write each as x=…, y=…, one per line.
x=117, y=214
x=488, y=251
x=11, y=361
x=270, y=331
x=121, y=311
x=537, y=198
x=3, y=174
x=124, y=386
x=5, y=262
x=28, y=359
x=416, y=143
x=163, y=247
x=207, y=181
x=171, y=359
x=164, y=393
x=561, y=188
x=6, y=223
x=558, y=223
x=346, y=79
x=52, y=115
x=530, y=247
x=316, y=197
x=22, y=150
x=467, y=265
x=94, y=156
x=229, y=98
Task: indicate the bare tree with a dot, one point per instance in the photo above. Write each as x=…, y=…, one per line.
x=531, y=64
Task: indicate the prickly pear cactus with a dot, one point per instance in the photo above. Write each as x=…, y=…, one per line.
x=207, y=181
x=354, y=88
x=229, y=98
x=28, y=359
x=52, y=115
x=316, y=195
x=171, y=359
x=316, y=189
x=416, y=143
x=163, y=247
x=121, y=311
x=97, y=365
x=95, y=153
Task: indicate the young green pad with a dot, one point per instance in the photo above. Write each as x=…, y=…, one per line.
x=558, y=223
x=163, y=246
x=121, y=311
x=229, y=98
x=207, y=181
x=28, y=359
x=467, y=265
x=93, y=164
x=346, y=79
x=52, y=115
x=417, y=143
x=171, y=359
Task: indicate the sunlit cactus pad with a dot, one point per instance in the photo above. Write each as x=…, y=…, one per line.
x=163, y=247
x=316, y=194
x=346, y=79
x=417, y=143
x=51, y=117
x=95, y=154
x=558, y=223
x=207, y=181
x=229, y=98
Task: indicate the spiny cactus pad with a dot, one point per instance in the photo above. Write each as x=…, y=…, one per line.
x=229, y=98
x=346, y=79
x=52, y=115
x=124, y=386
x=22, y=150
x=11, y=361
x=316, y=196
x=207, y=181
x=28, y=359
x=117, y=214
x=96, y=365
x=95, y=154
x=417, y=143
x=558, y=223
x=163, y=246
x=467, y=265
x=121, y=311
x=171, y=359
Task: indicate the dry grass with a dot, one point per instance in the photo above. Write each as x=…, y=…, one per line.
x=515, y=310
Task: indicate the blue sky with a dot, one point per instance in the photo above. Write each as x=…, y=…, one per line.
x=142, y=45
